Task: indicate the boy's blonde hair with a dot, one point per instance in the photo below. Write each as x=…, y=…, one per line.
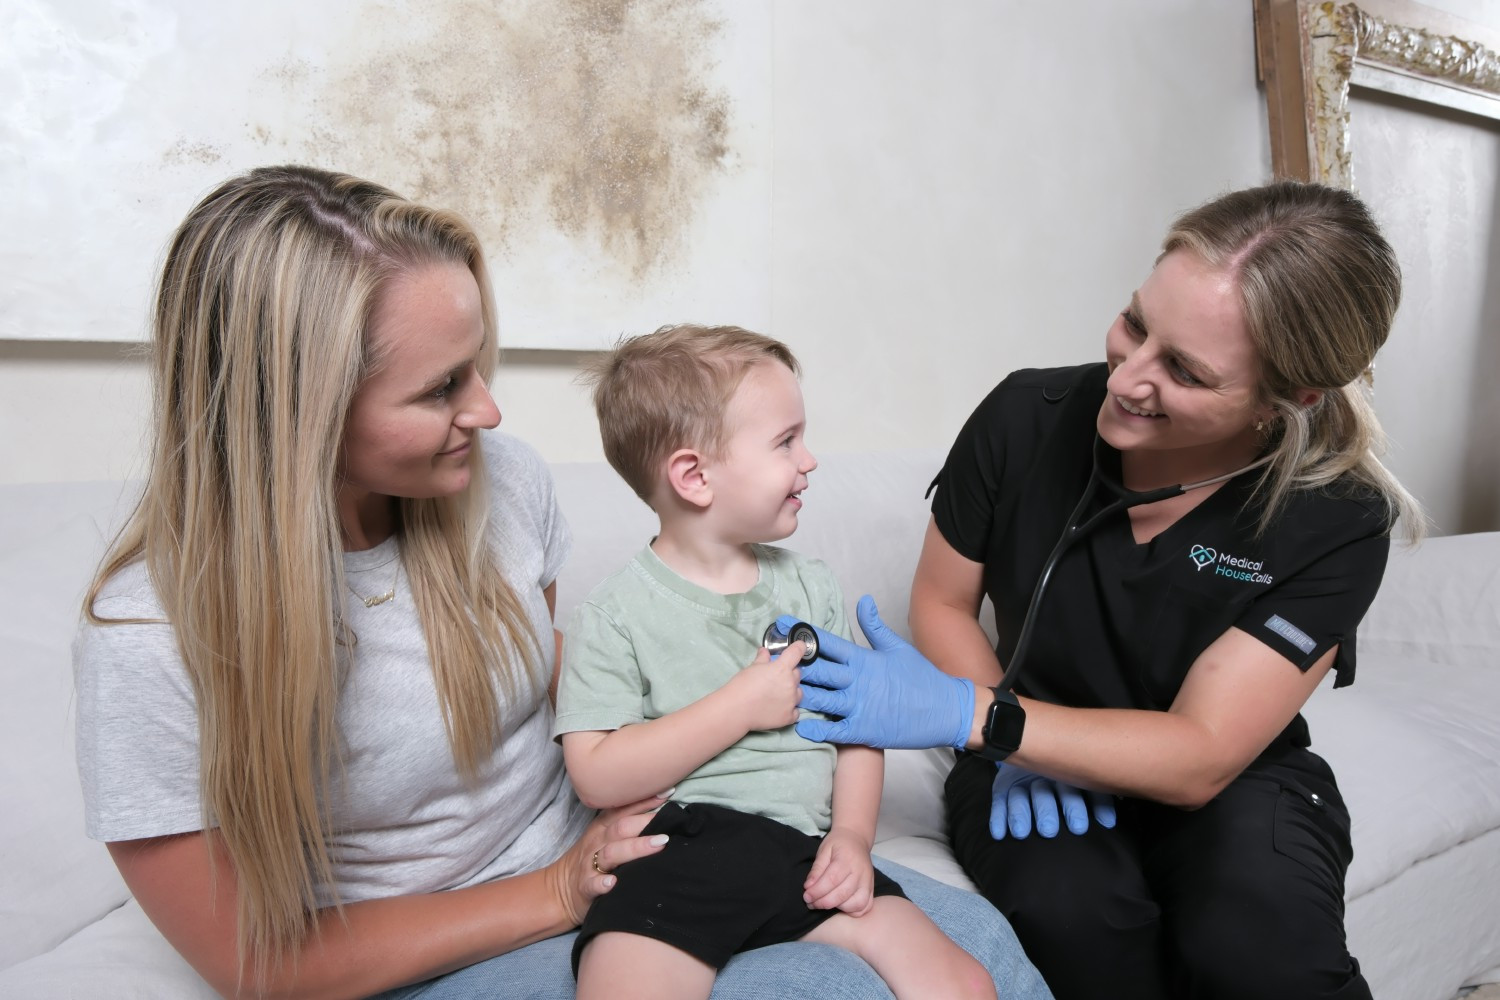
x=662, y=391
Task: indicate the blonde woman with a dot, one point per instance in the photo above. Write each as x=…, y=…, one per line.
x=313, y=721
x=1177, y=637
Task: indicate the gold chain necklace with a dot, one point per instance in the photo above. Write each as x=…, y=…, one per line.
x=378, y=599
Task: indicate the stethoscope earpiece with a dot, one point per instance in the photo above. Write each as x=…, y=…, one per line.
x=776, y=640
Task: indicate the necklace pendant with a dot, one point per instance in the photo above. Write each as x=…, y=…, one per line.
x=378, y=599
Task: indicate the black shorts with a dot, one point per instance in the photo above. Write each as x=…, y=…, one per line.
x=725, y=882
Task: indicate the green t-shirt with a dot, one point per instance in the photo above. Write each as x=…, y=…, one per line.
x=648, y=642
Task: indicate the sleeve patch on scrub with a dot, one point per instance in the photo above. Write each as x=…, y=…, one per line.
x=1291, y=633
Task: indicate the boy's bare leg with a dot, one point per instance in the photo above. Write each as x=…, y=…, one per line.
x=620, y=966
x=915, y=959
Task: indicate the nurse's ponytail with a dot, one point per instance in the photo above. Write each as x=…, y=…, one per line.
x=1319, y=286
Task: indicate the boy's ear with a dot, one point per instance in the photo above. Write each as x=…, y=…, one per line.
x=686, y=475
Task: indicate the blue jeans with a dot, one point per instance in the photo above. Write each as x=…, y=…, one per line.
x=795, y=971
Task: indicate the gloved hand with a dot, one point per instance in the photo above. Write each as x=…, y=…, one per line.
x=1019, y=795
x=888, y=696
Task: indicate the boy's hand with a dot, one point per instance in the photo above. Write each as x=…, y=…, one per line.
x=842, y=876
x=768, y=689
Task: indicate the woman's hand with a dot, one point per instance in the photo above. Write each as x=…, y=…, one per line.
x=586, y=871
x=1019, y=795
x=886, y=696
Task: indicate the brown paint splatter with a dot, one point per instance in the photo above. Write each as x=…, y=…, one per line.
x=598, y=118
x=188, y=151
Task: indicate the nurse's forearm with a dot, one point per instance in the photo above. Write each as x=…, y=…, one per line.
x=947, y=592
x=953, y=640
x=1161, y=756
x=1236, y=698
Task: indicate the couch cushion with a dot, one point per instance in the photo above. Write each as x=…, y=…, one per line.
x=53, y=881
x=1415, y=742
x=119, y=957
x=912, y=829
x=1416, y=749
x=1446, y=608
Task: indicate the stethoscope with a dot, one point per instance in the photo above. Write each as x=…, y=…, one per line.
x=776, y=639
x=1075, y=530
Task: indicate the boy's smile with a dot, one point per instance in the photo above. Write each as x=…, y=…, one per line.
x=758, y=481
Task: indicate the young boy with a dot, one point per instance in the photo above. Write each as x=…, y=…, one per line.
x=770, y=834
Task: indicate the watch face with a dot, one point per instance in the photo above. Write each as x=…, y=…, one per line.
x=1003, y=727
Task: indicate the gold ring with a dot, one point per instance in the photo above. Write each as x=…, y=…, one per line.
x=601, y=871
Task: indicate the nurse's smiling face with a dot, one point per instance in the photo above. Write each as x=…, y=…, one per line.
x=1184, y=376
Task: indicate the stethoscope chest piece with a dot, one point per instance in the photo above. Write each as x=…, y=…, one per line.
x=776, y=640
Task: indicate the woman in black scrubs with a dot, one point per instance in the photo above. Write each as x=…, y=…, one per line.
x=1179, y=640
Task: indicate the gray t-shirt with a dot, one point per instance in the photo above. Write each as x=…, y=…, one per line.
x=404, y=820
x=648, y=642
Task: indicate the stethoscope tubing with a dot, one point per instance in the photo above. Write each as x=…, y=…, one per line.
x=1074, y=532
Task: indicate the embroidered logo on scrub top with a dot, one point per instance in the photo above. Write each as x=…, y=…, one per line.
x=1224, y=564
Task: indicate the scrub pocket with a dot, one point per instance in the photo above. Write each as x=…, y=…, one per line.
x=1312, y=829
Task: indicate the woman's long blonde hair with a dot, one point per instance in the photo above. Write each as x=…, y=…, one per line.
x=259, y=344
x=1319, y=286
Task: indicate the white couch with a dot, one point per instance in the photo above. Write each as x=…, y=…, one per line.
x=1415, y=743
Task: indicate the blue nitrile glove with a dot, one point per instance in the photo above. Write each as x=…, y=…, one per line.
x=1019, y=794
x=887, y=696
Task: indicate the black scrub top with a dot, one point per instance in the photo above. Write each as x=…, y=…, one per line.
x=1121, y=622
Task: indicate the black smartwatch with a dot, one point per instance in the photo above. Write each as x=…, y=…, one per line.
x=1002, y=727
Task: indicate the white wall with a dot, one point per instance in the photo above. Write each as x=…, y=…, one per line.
x=960, y=189
x=963, y=189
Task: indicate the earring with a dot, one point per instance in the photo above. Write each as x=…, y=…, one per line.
x=1260, y=427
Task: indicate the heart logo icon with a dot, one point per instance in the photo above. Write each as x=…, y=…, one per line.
x=1202, y=556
